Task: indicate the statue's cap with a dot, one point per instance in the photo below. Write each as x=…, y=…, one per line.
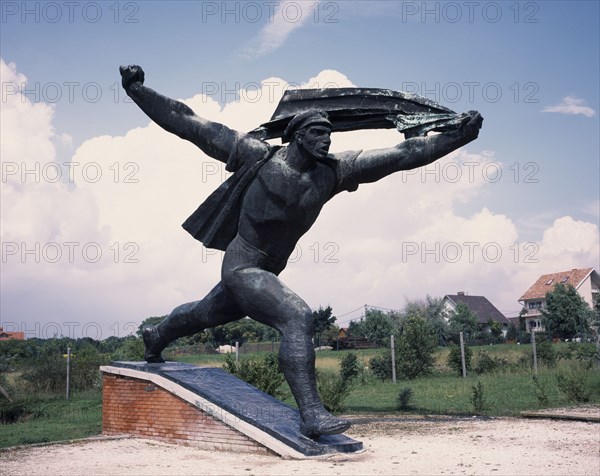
x=303, y=119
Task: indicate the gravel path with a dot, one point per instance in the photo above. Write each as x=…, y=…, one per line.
x=499, y=446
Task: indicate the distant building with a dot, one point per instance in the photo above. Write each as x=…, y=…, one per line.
x=5, y=335
x=481, y=307
x=586, y=282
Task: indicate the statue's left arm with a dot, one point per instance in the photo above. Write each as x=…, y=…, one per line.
x=372, y=165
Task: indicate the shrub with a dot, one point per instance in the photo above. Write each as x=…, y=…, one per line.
x=487, y=363
x=132, y=348
x=455, y=361
x=541, y=391
x=588, y=354
x=478, y=397
x=350, y=367
x=46, y=374
x=381, y=365
x=261, y=371
x=333, y=391
x=404, y=398
x=414, y=356
x=574, y=384
x=545, y=352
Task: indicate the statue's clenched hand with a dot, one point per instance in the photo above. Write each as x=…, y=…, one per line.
x=471, y=125
x=131, y=74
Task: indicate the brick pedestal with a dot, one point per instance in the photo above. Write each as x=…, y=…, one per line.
x=139, y=407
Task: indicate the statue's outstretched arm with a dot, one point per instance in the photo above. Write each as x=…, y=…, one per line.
x=216, y=140
x=372, y=165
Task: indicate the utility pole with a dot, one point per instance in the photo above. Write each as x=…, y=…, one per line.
x=68, y=372
x=393, y=349
x=462, y=355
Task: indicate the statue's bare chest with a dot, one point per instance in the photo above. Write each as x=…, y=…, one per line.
x=283, y=194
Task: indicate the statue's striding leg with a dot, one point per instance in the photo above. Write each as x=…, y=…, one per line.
x=217, y=308
x=263, y=297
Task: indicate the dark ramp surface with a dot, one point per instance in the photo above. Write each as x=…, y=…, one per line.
x=248, y=404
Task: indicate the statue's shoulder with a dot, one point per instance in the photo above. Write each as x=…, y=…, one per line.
x=342, y=163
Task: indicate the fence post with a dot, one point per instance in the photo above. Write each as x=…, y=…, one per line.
x=393, y=349
x=237, y=354
x=533, y=348
x=68, y=372
x=462, y=355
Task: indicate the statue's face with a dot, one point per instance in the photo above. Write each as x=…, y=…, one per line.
x=316, y=141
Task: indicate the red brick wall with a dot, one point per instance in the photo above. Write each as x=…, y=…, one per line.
x=138, y=407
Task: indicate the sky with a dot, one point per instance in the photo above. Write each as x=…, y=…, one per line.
x=93, y=193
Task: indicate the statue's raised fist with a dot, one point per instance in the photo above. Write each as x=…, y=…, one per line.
x=131, y=74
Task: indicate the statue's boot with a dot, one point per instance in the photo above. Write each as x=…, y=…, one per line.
x=317, y=421
x=297, y=361
x=154, y=345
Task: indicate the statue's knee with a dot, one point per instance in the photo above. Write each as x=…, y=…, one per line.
x=305, y=322
x=231, y=278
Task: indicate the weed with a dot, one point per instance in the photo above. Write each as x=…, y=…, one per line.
x=478, y=397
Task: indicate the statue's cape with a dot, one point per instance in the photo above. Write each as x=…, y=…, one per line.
x=215, y=221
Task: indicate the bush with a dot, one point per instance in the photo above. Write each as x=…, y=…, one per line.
x=333, y=391
x=350, y=367
x=545, y=352
x=381, y=365
x=478, y=397
x=540, y=390
x=46, y=374
x=574, y=384
x=404, y=398
x=487, y=363
x=85, y=368
x=261, y=371
x=132, y=348
x=414, y=357
x=455, y=361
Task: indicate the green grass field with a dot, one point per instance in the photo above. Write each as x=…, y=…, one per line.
x=506, y=393
x=53, y=418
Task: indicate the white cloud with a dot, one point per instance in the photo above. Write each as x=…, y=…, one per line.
x=287, y=17
x=398, y=238
x=571, y=105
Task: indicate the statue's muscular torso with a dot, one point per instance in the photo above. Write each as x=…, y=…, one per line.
x=281, y=204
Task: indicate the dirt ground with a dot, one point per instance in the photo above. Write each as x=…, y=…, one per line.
x=393, y=446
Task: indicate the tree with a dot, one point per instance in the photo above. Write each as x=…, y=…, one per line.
x=416, y=346
x=323, y=321
x=454, y=360
x=595, y=321
x=462, y=319
x=377, y=327
x=566, y=313
x=495, y=330
x=512, y=333
x=432, y=310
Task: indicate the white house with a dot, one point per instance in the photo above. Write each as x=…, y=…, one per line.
x=586, y=282
x=483, y=309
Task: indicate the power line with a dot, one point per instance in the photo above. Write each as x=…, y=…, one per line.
x=350, y=312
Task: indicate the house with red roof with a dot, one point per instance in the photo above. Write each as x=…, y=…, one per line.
x=586, y=282
x=5, y=335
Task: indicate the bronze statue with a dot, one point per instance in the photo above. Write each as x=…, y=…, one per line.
x=258, y=215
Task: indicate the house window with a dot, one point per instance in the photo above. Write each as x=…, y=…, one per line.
x=549, y=282
x=534, y=305
x=564, y=280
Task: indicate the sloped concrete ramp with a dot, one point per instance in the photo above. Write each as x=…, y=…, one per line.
x=236, y=404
